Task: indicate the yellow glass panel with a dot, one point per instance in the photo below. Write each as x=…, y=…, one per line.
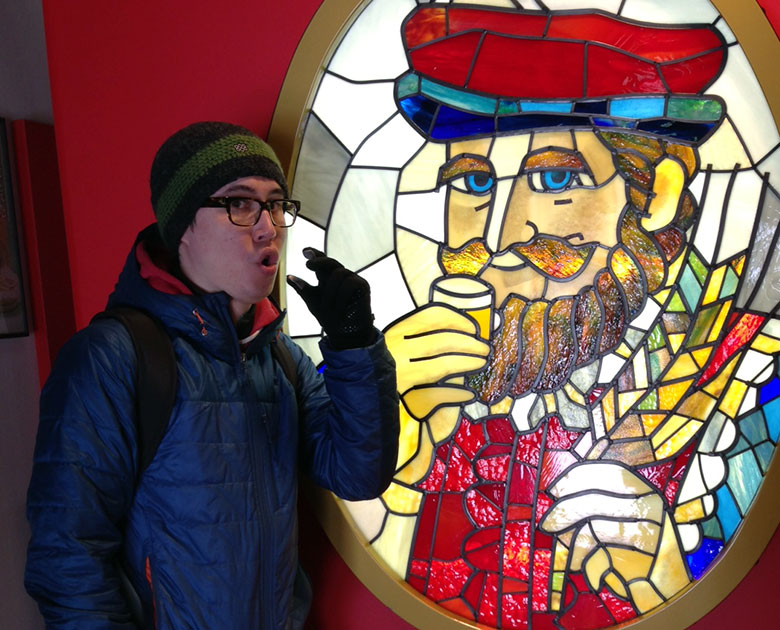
x=669, y=573
x=717, y=386
x=733, y=398
x=662, y=356
x=676, y=340
x=549, y=401
x=674, y=269
x=613, y=582
x=574, y=394
x=670, y=395
x=633, y=453
x=640, y=369
x=507, y=153
x=668, y=428
x=409, y=436
x=608, y=410
x=678, y=441
x=560, y=557
x=644, y=596
x=698, y=405
x=623, y=350
x=718, y=325
x=713, y=286
x=631, y=427
x=401, y=499
x=443, y=423
x=631, y=564
x=395, y=541
x=651, y=420
x=684, y=365
x=702, y=356
x=596, y=566
x=627, y=399
x=690, y=511
x=417, y=468
x=738, y=264
x=555, y=601
x=768, y=345
x=662, y=296
x=502, y=407
x=423, y=170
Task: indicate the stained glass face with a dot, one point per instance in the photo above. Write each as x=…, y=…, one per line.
x=567, y=212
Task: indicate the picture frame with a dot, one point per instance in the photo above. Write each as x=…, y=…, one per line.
x=13, y=308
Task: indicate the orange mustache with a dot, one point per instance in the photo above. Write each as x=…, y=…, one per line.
x=551, y=256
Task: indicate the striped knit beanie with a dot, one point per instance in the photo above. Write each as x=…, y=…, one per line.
x=197, y=161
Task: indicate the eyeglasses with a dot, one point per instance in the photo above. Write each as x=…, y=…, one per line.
x=245, y=211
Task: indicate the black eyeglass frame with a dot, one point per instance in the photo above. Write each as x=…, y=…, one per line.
x=224, y=202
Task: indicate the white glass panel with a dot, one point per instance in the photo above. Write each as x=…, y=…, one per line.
x=690, y=11
x=371, y=50
x=352, y=110
x=422, y=213
x=771, y=165
x=607, y=5
x=521, y=410
x=392, y=145
x=646, y=318
x=743, y=206
x=752, y=365
x=693, y=486
x=728, y=34
x=713, y=469
x=389, y=297
x=361, y=227
x=368, y=516
x=303, y=234
x=690, y=535
x=610, y=366
x=709, y=223
x=422, y=172
x=723, y=149
x=749, y=402
x=746, y=104
x=418, y=277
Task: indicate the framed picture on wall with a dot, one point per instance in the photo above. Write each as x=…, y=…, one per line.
x=13, y=314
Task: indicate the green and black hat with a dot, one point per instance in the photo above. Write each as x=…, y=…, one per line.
x=197, y=161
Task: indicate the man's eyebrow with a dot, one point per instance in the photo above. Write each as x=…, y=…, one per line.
x=464, y=164
x=554, y=158
x=244, y=188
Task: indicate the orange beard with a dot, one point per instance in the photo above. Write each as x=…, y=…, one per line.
x=541, y=342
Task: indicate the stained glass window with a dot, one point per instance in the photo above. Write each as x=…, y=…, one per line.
x=567, y=212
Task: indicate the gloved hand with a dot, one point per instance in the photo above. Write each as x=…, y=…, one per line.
x=341, y=302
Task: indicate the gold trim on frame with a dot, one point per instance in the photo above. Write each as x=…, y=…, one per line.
x=762, y=47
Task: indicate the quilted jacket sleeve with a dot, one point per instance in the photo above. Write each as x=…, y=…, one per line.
x=349, y=425
x=82, y=482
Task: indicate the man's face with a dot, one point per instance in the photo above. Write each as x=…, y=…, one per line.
x=241, y=261
x=546, y=206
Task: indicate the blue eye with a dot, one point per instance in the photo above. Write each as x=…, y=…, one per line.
x=556, y=180
x=479, y=183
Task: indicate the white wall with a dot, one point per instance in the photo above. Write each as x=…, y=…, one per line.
x=24, y=93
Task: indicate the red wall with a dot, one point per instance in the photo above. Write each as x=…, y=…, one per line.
x=124, y=75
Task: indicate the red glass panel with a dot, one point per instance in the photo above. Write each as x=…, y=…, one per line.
x=656, y=44
x=473, y=592
x=470, y=437
x=493, y=468
x=417, y=584
x=484, y=558
x=489, y=603
x=621, y=610
x=483, y=512
x=447, y=60
x=542, y=540
x=425, y=26
x=418, y=568
x=502, y=67
x=517, y=544
x=500, y=431
x=693, y=75
x=671, y=491
x=494, y=492
x=611, y=72
x=587, y=613
x=514, y=611
x=558, y=436
x=522, y=484
x=738, y=336
x=498, y=21
x=447, y=579
x=425, y=527
x=509, y=585
x=543, y=503
x=541, y=579
x=555, y=462
x=458, y=606
x=460, y=475
x=528, y=447
x=518, y=513
x=432, y=483
x=657, y=475
x=452, y=527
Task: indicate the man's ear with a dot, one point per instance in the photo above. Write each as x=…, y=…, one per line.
x=667, y=189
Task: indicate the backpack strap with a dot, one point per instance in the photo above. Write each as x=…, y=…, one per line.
x=282, y=355
x=156, y=377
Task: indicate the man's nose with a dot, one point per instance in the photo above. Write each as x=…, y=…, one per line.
x=508, y=222
x=264, y=229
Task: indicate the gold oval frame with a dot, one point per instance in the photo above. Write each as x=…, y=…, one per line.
x=762, y=47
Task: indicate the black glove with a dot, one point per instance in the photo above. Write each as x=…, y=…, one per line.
x=341, y=302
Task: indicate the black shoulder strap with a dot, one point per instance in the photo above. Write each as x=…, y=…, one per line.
x=155, y=385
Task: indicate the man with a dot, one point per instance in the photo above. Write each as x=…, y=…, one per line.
x=207, y=535
x=562, y=375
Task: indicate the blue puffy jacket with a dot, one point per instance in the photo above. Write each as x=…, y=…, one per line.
x=208, y=537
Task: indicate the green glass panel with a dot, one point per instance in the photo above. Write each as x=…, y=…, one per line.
x=694, y=109
x=730, y=282
x=754, y=428
x=739, y=447
x=711, y=529
x=701, y=329
x=698, y=267
x=410, y=84
x=655, y=366
x=744, y=479
x=691, y=289
x=649, y=402
x=764, y=454
x=676, y=304
x=656, y=339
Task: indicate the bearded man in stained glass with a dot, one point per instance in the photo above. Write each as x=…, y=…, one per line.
x=557, y=384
